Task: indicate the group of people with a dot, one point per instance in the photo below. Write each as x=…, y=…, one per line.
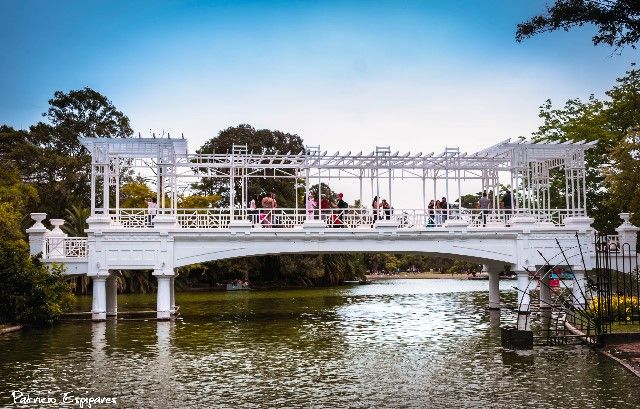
x=438, y=211
x=333, y=218
x=263, y=216
x=381, y=209
x=484, y=204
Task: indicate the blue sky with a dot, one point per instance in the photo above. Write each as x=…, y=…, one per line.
x=348, y=75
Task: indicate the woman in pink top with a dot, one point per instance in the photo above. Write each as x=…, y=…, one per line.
x=311, y=204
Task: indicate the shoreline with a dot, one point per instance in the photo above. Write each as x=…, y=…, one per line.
x=430, y=276
x=628, y=353
x=415, y=276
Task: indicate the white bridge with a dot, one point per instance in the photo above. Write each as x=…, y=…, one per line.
x=525, y=234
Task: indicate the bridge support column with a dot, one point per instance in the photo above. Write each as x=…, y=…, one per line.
x=523, y=291
x=494, y=290
x=523, y=300
x=578, y=289
x=99, y=305
x=112, y=295
x=545, y=290
x=163, y=297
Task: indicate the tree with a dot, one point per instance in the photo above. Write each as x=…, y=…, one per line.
x=135, y=194
x=611, y=165
x=76, y=221
x=257, y=141
x=618, y=21
x=198, y=201
x=84, y=113
x=50, y=156
x=30, y=293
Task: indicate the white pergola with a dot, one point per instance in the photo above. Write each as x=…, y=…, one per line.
x=526, y=167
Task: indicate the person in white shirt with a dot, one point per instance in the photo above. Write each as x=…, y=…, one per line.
x=152, y=210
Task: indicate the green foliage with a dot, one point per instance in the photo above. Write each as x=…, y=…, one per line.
x=470, y=201
x=29, y=292
x=76, y=221
x=199, y=201
x=50, y=157
x=460, y=266
x=381, y=262
x=15, y=196
x=612, y=163
x=86, y=113
x=618, y=21
x=135, y=194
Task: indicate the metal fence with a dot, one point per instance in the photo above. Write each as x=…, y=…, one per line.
x=617, y=280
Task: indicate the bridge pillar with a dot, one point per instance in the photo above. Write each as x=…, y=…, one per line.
x=494, y=290
x=545, y=290
x=523, y=300
x=523, y=291
x=578, y=289
x=163, y=297
x=112, y=295
x=99, y=305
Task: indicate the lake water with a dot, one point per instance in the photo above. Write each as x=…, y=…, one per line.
x=395, y=343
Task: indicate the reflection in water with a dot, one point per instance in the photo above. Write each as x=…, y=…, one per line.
x=545, y=322
x=400, y=343
x=98, y=354
x=494, y=322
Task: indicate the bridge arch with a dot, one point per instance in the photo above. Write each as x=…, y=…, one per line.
x=488, y=251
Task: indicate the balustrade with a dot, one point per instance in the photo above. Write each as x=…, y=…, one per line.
x=65, y=247
x=214, y=218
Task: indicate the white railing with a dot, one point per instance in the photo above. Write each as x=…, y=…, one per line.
x=212, y=218
x=65, y=247
x=613, y=242
x=131, y=218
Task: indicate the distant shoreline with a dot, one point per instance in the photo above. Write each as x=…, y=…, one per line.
x=428, y=276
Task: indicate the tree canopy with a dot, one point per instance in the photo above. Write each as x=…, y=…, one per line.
x=29, y=293
x=49, y=155
x=612, y=181
x=617, y=21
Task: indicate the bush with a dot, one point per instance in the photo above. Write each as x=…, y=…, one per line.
x=30, y=293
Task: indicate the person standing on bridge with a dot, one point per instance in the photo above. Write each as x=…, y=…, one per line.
x=431, y=215
x=437, y=211
x=267, y=205
x=253, y=212
x=484, y=203
x=341, y=205
x=445, y=209
x=506, y=202
x=386, y=212
x=374, y=206
x=311, y=204
x=152, y=209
